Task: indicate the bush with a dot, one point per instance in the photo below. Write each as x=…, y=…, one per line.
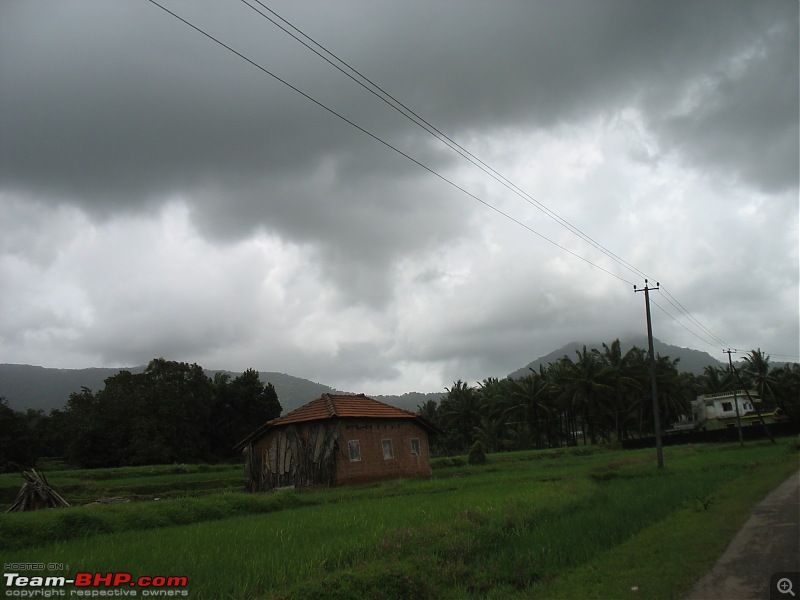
x=447, y=462
x=477, y=454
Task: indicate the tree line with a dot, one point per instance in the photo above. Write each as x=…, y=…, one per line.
x=174, y=412
x=171, y=412
x=596, y=396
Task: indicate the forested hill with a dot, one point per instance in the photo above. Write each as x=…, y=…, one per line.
x=691, y=361
x=40, y=388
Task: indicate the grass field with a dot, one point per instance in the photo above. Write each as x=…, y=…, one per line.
x=585, y=522
x=84, y=485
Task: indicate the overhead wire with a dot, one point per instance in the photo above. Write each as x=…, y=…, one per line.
x=680, y=308
x=368, y=84
x=385, y=143
x=698, y=336
x=397, y=105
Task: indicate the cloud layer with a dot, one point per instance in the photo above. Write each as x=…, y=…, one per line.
x=166, y=197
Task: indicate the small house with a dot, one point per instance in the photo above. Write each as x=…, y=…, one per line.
x=334, y=440
x=717, y=411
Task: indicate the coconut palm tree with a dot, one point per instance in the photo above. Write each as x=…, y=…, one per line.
x=788, y=390
x=492, y=428
x=459, y=412
x=757, y=371
x=715, y=379
x=529, y=410
x=625, y=386
x=586, y=385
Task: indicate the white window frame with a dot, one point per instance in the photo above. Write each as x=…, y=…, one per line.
x=354, y=445
x=387, y=443
x=415, y=451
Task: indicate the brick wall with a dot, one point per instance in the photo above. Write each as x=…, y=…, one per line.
x=374, y=464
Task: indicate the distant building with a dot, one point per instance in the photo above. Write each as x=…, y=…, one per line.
x=717, y=411
x=334, y=440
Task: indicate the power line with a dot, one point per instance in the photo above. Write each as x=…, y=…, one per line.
x=376, y=90
x=702, y=339
x=680, y=308
x=369, y=85
x=390, y=100
x=385, y=143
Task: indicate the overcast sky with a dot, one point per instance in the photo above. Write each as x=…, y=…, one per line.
x=161, y=196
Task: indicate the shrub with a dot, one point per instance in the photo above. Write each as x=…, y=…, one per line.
x=477, y=454
x=447, y=462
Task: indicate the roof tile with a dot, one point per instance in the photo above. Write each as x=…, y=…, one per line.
x=328, y=406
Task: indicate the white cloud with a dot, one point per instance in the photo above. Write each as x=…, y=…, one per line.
x=166, y=200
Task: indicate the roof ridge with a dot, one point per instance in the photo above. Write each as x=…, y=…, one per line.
x=330, y=405
x=390, y=405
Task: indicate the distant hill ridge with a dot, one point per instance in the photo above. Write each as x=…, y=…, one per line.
x=42, y=388
x=691, y=361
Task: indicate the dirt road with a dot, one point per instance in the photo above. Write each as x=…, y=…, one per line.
x=768, y=544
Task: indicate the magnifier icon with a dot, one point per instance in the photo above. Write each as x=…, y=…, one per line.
x=784, y=586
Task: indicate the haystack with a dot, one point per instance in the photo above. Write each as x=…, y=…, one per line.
x=36, y=494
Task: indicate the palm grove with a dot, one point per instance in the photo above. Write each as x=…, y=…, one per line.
x=597, y=396
x=174, y=412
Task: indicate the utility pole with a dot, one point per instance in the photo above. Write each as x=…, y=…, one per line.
x=735, y=401
x=656, y=418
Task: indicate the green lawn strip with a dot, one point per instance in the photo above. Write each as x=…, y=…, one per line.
x=667, y=558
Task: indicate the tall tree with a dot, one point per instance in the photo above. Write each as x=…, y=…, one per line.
x=492, y=428
x=459, y=412
x=757, y=370
x=240, y=406
x=787, y=390
x=16, y=449
x=530, y=409
x=625, y=387
x=586, y=387
x=714, y=380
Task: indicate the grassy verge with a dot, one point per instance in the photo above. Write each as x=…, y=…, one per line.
x=666, y=559
x=525, y=525
x=84, y=485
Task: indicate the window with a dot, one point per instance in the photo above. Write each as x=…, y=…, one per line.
x=415, y=446
x=355, y=450
x=387, y=449
x=727, y=406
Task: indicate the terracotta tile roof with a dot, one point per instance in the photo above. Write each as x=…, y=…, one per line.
x=330, y=406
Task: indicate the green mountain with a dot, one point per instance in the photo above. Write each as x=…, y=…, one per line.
x=41, y=388
x=691, y=361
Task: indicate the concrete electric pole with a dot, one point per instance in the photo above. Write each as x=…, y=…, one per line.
x=735, y=401
x=656, y=418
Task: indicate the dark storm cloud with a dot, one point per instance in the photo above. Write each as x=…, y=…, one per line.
x=110, y=104
x=644, y=122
